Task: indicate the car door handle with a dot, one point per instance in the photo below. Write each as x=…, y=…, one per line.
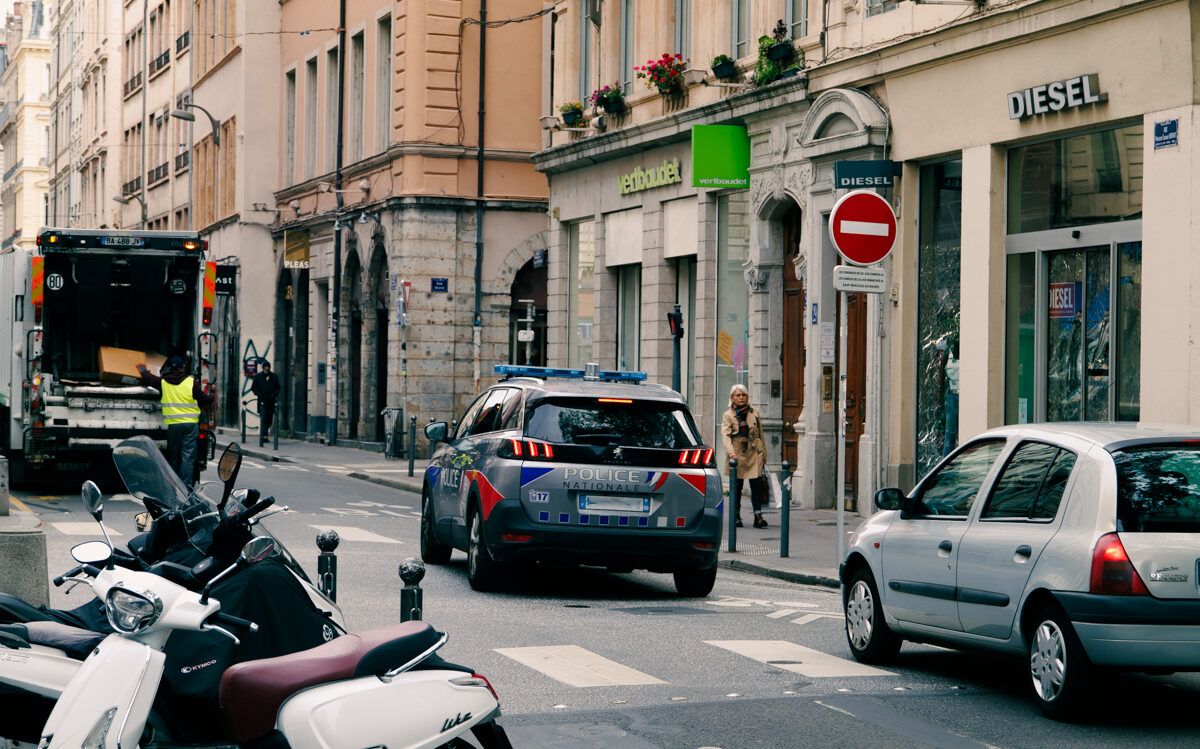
x=945, y=547
x=1023, y=552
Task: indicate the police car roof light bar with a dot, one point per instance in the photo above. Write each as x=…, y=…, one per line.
x=513, y=370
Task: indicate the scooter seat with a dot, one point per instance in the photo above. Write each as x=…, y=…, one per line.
x=75, y=643
x=253, y=691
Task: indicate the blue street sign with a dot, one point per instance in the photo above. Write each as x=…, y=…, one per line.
x=439, y=284
x=1166, y=134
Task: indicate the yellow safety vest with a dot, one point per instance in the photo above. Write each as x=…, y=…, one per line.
x=178, y=405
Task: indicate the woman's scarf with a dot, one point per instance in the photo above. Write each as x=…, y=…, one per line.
x=741, y=412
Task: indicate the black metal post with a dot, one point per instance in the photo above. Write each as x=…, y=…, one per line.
x=411, y=595
x=327, y=542
x=412, y=440
x=243, y=423
x=732, y=510
x=275, y=429
x=432, y=444
x=785, y=512
x=676, y=338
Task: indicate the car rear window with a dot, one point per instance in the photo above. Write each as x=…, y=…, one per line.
x=1158, y=488
x=612, y=421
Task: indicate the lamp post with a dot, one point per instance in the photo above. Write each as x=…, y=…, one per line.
x=215, y=124
x=124, y=200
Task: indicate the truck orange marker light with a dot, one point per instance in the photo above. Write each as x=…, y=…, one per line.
x=37, y=284
x=210, y=290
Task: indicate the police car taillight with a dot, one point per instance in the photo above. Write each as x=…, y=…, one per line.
x=531, y=449
x=701, y=456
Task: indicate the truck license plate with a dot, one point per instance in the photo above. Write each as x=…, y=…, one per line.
x=593, y=502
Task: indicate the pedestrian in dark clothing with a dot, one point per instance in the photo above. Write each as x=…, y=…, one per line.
x=182, y=398
x=266, y=387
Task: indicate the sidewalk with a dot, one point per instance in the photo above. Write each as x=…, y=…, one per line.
x=812, y=544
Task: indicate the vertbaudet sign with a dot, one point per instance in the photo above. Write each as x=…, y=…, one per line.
x=668, y=173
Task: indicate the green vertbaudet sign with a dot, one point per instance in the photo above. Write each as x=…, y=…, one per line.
x=720, y=156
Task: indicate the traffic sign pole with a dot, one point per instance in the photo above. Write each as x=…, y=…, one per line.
x=841, y=428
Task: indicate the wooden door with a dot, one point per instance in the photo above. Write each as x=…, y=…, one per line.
x=792, y=353
x=856, y=383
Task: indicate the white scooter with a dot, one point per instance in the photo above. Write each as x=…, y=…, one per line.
x=383, y=687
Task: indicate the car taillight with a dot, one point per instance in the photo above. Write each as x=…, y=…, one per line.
x=1112, y=572
x=701, y=456
x=532, y=449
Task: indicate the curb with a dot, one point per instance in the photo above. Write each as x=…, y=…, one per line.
x=801, y=578
x=413, y=485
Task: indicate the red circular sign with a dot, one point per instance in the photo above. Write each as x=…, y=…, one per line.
x=862, y=227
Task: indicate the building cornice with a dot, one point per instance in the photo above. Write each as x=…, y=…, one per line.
x=408, y=202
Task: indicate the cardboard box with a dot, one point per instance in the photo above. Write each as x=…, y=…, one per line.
x=118, y=366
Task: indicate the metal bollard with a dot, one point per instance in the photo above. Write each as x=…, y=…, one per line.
x=275, y=431
x=411, y=572
x=327, y=542
x=412, y=440
x=732, y=510
x=785, y=512
x=243, y=423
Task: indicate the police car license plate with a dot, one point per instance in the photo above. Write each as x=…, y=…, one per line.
x=614, y=504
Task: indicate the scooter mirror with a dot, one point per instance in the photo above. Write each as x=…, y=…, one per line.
x=91, y=552
x=143, y=521
x=227, y=469
x=92, y=499
x=258, y=549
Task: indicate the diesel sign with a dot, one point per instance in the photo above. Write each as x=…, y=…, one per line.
x=1079, y=91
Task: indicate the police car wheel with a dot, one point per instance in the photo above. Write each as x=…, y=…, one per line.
x=695, y=583
x=483, y=572
x=432, y=551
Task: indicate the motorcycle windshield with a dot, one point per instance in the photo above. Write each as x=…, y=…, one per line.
x=148, y=476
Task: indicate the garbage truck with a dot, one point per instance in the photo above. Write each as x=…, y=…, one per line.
x=81, y=310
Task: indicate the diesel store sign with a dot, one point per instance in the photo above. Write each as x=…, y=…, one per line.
x=1080, y=91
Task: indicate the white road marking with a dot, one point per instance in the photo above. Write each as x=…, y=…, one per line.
x=781, y=613
x=794, y=604
x=349, y=533
x=577, y=667
x=814, y=617
x=870, y=228
x=83, y=529
x=797, y=658
x=251, y=463
x=283, y=467
x=124, y=498
x=391, y=470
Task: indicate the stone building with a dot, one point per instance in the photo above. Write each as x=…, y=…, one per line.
x=424, y=188
x=25, y=124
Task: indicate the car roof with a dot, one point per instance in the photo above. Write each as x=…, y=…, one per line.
x=1105, y=434
x=570, y=388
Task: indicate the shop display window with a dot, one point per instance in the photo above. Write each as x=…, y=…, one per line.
x=581, y=282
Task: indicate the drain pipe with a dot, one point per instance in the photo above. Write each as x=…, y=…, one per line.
x=477, y=330
x=334, y=374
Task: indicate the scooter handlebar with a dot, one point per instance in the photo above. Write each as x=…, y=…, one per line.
x=92, y=570
x=256, y=508
x=235, y=621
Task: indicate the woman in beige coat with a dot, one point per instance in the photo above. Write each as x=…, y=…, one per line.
x=742, y=434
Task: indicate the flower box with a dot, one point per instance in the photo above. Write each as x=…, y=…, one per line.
x=723, y=70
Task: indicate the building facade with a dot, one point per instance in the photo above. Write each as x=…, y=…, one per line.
x=424, y=192
x=1024, y=146
x=25, y=124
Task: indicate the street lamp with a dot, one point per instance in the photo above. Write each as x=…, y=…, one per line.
x=124, y=200
x=215, y=124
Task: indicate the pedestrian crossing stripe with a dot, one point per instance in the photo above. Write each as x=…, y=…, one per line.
x=88, y=528
x=350, y=533
x=577, y=667
x=797, y=659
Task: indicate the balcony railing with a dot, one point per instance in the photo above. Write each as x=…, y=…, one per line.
x=6, y=114
x=8, y=173
x=133, y=84
x=160, y=62
x=158, y=173
x=182, y=160
x=182, y=41
x=131, y=186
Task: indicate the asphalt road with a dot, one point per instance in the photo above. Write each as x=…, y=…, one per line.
x=585, y=659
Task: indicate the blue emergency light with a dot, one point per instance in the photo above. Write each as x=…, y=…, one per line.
x=591, y=373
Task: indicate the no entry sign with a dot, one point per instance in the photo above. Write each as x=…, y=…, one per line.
x=862, y=227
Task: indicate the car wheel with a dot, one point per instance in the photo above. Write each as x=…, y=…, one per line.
x=483, y=572
x=695, y=583
x=432, y=550
x=1059, y=670
x=867, y=633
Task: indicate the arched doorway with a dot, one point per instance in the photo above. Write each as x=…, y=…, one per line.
x=792, y=352
x=377, y=333
x=528, y=284
x=350, y=369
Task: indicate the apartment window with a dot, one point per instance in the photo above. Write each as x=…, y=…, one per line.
x=875, y=7
x=310, y=118
x=216, y=33
x=797, y=18
x=628, y=43
x=383, y=84
x=356, y=118
x=585, y=51
x=683, y=27
x=289, y=127
x=741, y=28
x=331, y=109
x=227, y=175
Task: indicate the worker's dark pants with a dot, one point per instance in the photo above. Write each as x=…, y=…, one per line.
x=266, y=413
x=182, y=440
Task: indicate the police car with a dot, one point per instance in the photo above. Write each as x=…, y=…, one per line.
x=580, y=466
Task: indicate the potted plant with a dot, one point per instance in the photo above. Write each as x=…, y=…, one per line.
x=664, y=73
x=781, y=49
x=724, y=66
x=572, y=113
x=609, y=98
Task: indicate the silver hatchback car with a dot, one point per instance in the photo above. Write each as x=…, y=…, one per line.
x=1076, y=546
x=583, y=467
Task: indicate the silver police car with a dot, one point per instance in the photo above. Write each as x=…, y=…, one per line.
x=580, y=466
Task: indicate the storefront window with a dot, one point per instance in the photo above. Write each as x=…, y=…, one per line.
x=1020, y=326
x=629, y=316
x=1085, y=179
x=733, y=301
x=582, y=267
x=938, y=309
x=1129, y=333
x=685, y=297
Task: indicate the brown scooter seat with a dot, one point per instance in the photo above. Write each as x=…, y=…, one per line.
x=252, y=692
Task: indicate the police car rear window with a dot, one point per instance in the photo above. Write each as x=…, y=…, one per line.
x=612, y=421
